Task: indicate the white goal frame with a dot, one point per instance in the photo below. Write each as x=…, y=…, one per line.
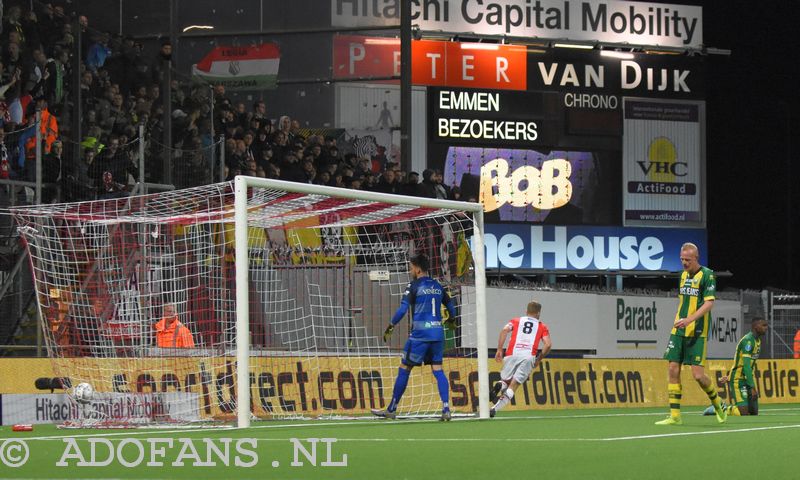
x=242, y=183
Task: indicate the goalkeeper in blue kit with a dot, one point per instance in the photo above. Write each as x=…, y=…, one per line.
x=424, y=296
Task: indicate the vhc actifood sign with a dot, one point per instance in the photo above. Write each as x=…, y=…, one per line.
x=548, y=247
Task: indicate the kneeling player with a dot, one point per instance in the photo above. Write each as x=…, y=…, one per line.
x=741, y=384
x=520, y=357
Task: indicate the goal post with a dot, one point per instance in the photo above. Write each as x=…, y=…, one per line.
x=241, y=186
x=252, y=299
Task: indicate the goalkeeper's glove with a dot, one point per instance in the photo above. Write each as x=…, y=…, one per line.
x=387, y=334
x=450, y=323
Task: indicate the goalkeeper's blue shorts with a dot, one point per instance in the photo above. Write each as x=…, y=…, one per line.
x=417, y=352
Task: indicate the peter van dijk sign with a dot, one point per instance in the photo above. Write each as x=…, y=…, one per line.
x=637, y=23
x=643, y=75
x=545, y=247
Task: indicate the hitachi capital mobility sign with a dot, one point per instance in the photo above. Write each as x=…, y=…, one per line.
x=611, y=21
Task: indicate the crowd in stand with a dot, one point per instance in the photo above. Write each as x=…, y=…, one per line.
x=255, y=147
x=121, y=88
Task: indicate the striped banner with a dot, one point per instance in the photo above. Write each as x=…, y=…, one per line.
x=241, y=68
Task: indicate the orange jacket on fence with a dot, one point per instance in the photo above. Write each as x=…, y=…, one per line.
x=176, y=335
x=797, y=345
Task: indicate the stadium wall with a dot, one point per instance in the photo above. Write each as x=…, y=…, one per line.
x=302, y=386
x=612, y=326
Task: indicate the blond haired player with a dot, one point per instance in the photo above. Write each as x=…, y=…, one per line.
x=687, y=341
x=520, y=356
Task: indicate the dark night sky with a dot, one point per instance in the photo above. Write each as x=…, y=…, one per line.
x=752, y=124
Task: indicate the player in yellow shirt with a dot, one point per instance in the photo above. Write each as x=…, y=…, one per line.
x=687, y=341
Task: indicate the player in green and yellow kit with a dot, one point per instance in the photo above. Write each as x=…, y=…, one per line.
x=687, y=341
x=741, y=383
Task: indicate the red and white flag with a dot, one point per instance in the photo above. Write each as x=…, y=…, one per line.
x=241, y=68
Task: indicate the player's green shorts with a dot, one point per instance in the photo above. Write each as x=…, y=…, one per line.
x=741, y=396
x=686, y=350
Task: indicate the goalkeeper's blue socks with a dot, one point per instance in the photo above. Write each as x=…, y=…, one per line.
x=400, y=384
x=444, y=388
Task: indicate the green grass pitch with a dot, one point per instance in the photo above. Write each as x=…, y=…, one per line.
x=564, y=444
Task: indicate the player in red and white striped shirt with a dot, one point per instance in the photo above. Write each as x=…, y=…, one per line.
x=520, y=356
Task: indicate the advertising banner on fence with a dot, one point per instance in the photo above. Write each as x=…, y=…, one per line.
x=549, y=247
x=557, y=383
x=639, y=327
x=663, y=163
x=612, y=326
x=612, y=21
x=57, y=407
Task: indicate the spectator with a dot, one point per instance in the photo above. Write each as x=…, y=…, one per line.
x=292, y=170
x=43, y=75
x=98, y=53
x=428, y=186
x=242, y=115
x=364, y=167
x=5, y=164
x=273, y=171
x=294, y=130
x=315, y=154
x=285, y=126
x=323, y=178
x=260, y=110
x=81, y=184
x=114, y=162
x=161, y=62
x=280, y=145
x=170, y=332
x=338, y=180
x=260, y=142
x=387, y=183
x=797, y=344
x=12, y=59
x=61, y=71
x=442, y=190
x=49, y=25
x=265, y=158
x=51, y=172
x=12, y=81
x=309, y=171
x=140, y=69
x=13, y=23
x=110, y=189
x=355, y=183
x=88, y=91
x=250, y=168
x=411, y=186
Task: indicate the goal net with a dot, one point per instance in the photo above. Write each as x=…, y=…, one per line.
x=251, y=299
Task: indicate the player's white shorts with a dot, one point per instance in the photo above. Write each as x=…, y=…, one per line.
x=517, y=367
